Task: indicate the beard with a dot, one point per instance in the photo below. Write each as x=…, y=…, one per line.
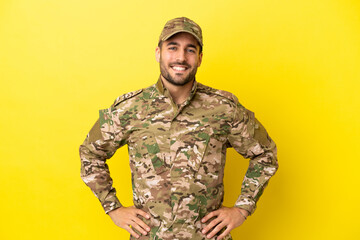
x=177, y=80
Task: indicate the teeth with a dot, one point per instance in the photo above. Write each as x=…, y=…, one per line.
x=179, y=68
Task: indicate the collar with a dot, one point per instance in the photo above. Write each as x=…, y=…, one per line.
x=159, y=86
x=163, y=91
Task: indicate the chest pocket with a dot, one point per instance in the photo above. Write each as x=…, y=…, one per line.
x=198, y=150
x=145, y=154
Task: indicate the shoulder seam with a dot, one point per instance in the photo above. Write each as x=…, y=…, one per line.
x=126, y=96
x=217, y=92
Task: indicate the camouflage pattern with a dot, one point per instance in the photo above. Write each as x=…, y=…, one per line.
x=181, y=24
x=177, y=156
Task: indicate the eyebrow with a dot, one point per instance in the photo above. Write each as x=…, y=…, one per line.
x=176, y=44
x=172, y=43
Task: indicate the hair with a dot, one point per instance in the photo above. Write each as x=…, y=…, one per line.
x=161, y=42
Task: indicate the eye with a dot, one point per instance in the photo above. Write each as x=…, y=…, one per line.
x=191, y=50
x=172, y=48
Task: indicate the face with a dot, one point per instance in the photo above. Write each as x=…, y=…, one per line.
x=179, y=59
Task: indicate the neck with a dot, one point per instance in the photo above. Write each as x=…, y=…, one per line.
x=178, y=93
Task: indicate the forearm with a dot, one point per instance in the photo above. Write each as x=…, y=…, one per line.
x=261, y=168
x=94, y=171
x=251, y=140
x=95, y=174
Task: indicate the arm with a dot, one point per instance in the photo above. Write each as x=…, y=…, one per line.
x=100, y=144
x=249, y=138
x=94, y=152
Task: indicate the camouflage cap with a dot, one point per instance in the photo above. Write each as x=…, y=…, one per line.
x=181, y=24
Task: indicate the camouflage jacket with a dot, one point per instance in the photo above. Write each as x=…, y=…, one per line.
x=177, y=156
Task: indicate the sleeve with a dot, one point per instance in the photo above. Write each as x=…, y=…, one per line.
x=100, y=144
x=249, y=138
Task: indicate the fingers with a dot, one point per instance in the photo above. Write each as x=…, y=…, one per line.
x=226, y=232
x=218, y=228
x=140, y=226
x=129, y=219
x=223, y=218
x=212, y=224
x=210, y=215
x=129, y=229
x=140, y=223
x=137, y=224
x=142, y=213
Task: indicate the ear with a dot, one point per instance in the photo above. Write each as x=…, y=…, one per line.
x=200, y=59
x=157, y=54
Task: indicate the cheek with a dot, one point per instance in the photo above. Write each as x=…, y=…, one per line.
x=165, y=60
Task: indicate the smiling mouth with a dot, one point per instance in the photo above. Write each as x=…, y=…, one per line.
x=179, y=68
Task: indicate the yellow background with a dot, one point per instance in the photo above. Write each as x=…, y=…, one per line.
x=296, y=64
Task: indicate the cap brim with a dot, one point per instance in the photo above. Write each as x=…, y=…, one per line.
x=179, y=31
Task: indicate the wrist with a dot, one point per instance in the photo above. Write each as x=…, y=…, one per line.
x=113, y=211
x=244, y=213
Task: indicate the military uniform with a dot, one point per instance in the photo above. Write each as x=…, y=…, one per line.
x=177, y=156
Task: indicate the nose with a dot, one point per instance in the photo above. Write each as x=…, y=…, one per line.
x=180, y=56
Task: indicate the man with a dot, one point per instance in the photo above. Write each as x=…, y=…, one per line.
x=177, y=132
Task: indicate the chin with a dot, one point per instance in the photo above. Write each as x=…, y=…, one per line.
x=180, y=82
